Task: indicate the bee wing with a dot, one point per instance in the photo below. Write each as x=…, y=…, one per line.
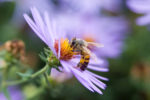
x=91, y=44
x=86, y=50
x=93, y=56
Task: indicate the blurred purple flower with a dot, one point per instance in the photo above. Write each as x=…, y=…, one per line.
x=23, y=6
x=109, y=31
x=89, y=6
x=140, y=7
x=15, y=94
x=49, y=32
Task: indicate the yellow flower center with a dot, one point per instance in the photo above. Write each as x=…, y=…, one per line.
x=66, y=52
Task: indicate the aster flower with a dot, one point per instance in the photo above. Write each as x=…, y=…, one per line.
x=56, y=39
x=15, y=94
x=140, y=7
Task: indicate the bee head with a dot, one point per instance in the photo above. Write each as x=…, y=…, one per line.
x=73, y=41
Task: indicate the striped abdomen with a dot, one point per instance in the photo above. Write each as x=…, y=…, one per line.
x=84, y=61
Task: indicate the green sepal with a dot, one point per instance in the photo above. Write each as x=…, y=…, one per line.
x=48, y=57
x=42, y=56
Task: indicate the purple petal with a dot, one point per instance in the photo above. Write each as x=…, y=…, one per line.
x=50, y=34
x=101, y=69
x=75, y=61
x=84, y=83
x=98, y=61
x=38, y=20
x=34, y=27
x=96, y=81
x=65, y=66
x=86, y=78
x=49, y=26
x=95, y=88
x=139, y=6
x=97, y=76
x=144, y=20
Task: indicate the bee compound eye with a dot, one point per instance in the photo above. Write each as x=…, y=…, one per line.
x=73, y=42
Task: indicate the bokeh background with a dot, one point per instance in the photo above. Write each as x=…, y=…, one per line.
x=129, y=75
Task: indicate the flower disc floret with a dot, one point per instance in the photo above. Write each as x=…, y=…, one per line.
x=66, y=51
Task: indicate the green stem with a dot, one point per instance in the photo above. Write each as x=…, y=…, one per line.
x=42, y=71
x=46, y=79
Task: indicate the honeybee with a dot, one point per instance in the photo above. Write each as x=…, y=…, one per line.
x=82, y=47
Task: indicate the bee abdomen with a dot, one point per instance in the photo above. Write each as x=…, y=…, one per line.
x=84, y=61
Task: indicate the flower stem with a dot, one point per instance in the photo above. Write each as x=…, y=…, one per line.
x=46, y=79
x=42, y=71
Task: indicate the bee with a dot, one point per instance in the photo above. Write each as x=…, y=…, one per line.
x=81, y=47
